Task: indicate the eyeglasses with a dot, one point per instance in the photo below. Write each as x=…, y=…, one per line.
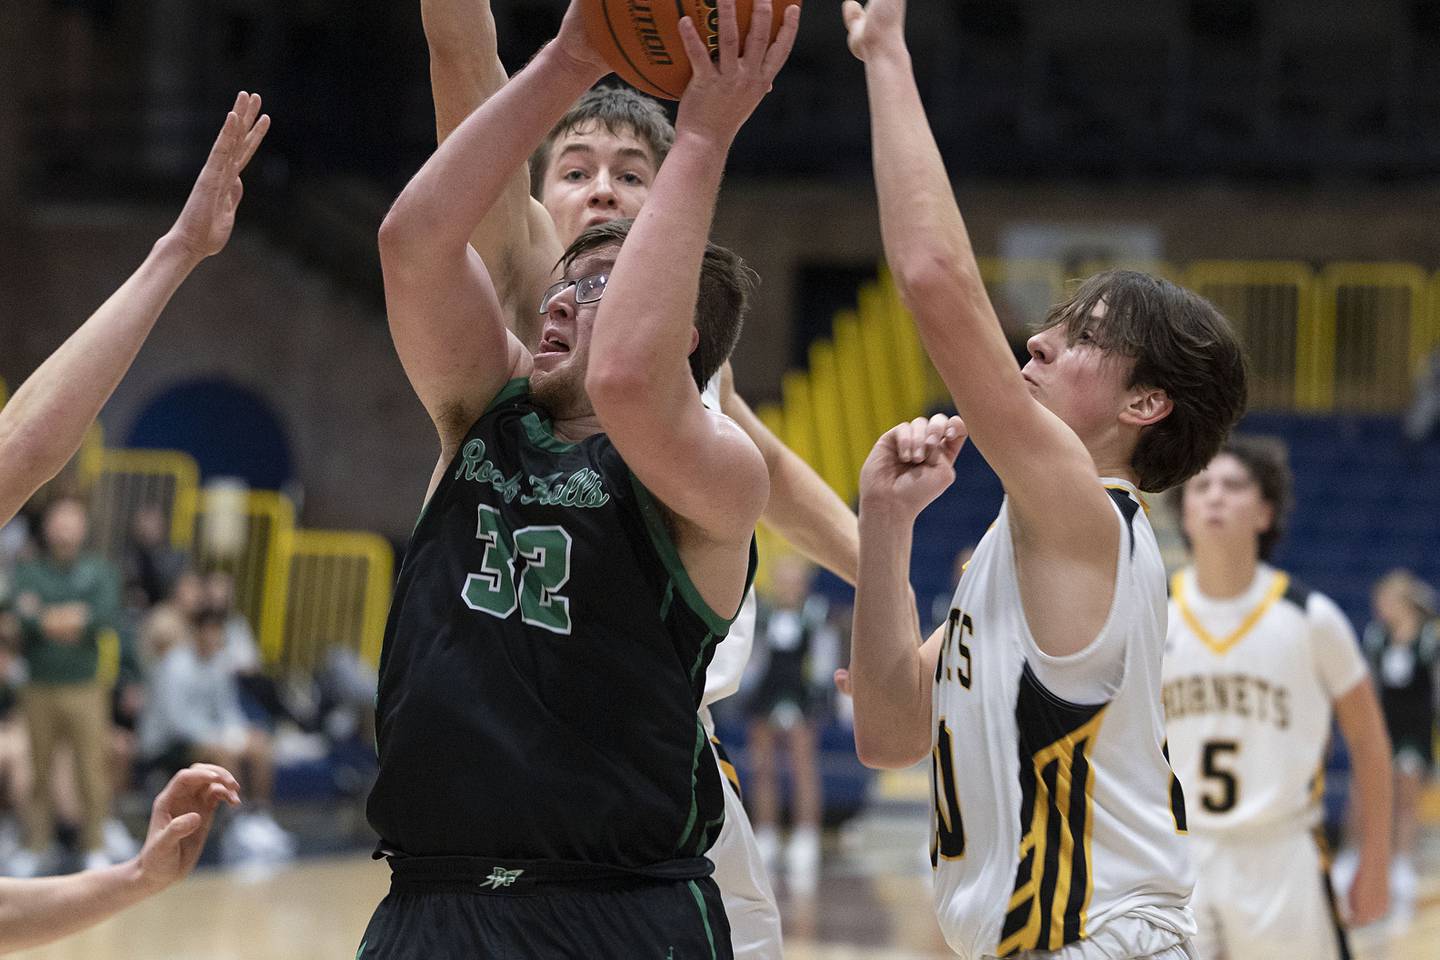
x=587, y=290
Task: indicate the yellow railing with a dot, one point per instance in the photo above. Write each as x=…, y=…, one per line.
x=250, y=534
x=303, y=590
x=122, y=481
x=1348, y=337
x=338, y=595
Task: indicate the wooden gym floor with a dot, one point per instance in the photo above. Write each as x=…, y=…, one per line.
x=872, y=902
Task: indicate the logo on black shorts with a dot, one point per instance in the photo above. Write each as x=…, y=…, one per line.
x=500, y=878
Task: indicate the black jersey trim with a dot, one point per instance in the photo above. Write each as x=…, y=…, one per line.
x=670, y=557
x=517, y=387
x=1298, y=593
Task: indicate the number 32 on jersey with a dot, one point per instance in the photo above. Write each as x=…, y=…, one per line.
x=494, y=590
x=953, y=664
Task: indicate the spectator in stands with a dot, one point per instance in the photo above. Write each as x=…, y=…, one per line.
x=1403, y=646
x=783, y=703
x=152, y=564
x=14, y=744
x=194, y=716
x=1424, y=414
x=67, y=601
x=259, y=697
x=172, y=621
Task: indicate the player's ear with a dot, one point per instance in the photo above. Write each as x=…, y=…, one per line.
x=1267, y=517
x=694, y=340
x=1146, y=406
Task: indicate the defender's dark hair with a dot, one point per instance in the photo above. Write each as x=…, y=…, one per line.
x=726, y=283
x=1180, y=344
x=616, y=110
x=1268, y=463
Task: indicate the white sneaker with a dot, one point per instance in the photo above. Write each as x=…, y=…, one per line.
x=767, y=841
x=256, y=838
x=802, y=858
x=273, y=837
x=119, y=844
x=24, y=864
x=97, y=860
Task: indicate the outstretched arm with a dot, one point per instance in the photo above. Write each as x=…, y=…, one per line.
x=701, y=466
x=1039, y=459
x=890, y=670
x=516, y=239
x=1363, y=727
x=802, y=507
x=33, y=912
x=42, y=425
x=445, y=315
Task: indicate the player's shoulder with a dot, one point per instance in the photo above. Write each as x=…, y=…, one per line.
x=1305, y=598
x=1298, y=593
x=1321, y=613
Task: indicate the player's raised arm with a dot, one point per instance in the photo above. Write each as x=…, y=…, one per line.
x=516, y=239
x=42, y=425
x=802, y=507
x=445, y=315
x=891, y=673
x=1038, y=458
x=701, y=466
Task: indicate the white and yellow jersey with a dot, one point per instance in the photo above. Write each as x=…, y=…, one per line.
x=1056, y=822
x=1249, y=684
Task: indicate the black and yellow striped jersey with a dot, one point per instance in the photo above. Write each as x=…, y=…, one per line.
x=1055, y=821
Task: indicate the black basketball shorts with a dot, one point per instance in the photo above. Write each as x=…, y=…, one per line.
x=461, y=912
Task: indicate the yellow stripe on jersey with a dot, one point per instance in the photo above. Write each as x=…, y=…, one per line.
x=1222, y=645
x=726, y=767
x=1055, y=881
x=1138, y=496
x=1317, y=784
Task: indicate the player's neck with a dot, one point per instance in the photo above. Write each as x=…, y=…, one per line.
x=1224, y=575
x=577, y=428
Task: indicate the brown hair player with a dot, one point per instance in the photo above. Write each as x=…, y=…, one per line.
x=40, y=430
x=597, y=164
x=1255, y=665
x=1057, y=825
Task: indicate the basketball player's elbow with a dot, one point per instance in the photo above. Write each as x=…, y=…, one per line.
x=929, y=276
x=614, y=385
x=881, y=746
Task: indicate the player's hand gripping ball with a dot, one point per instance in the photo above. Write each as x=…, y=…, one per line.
x=640, y=39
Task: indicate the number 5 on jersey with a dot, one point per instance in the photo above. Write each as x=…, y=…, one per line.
x=546, y=552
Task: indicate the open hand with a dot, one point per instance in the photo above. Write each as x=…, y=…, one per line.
x=180, y=821
x=724, y=92
x=912, y=464
x=205, y=224
x=877, y=23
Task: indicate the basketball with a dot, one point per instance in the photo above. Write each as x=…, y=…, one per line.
x=640, y=39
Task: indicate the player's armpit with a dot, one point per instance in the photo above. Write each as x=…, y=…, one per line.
x=1067, y=560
